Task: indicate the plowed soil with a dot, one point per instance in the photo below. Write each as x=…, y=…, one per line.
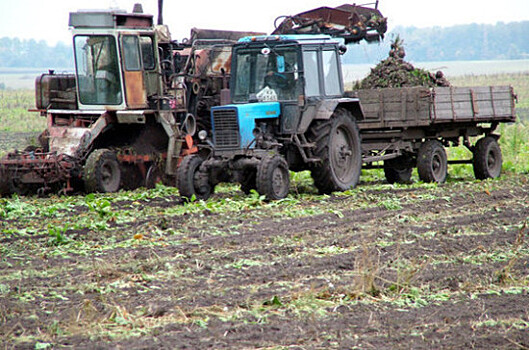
x=378, y=267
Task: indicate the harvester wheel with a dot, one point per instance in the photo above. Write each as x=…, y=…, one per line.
x=273, y=177
x=487, y=158
x=101, y=172
x=398, y=170
x=338, y=146
x=432, y=164
x=154, y=176
x=190, y=181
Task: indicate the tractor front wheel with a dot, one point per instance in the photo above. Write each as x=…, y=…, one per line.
x=190, y=181
x=273, y=177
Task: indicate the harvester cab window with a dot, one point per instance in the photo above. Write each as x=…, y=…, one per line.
x=131, y=52
x=312, y=79
x=331, y=75
x=147, y=52
x=97, y=69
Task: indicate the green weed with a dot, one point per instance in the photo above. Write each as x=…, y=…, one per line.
x=57, y=235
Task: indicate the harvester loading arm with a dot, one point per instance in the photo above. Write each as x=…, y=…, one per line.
x=353, y=23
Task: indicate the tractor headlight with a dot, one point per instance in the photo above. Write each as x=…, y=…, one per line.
x=202, y=135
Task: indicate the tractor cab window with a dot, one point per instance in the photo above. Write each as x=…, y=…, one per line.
x=310, y=70
x=331, y=75
x=265, y=74
x=97, y=68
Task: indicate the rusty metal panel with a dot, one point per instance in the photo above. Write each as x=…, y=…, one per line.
x=135, y=89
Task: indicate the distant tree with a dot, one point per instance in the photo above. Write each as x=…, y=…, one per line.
x=18, y=53
x=462, y=42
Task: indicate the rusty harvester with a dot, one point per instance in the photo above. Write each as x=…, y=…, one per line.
x=128, y=114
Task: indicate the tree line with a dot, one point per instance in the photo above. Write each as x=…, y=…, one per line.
x=502, y=41
x=470, y=42
x=17, y=53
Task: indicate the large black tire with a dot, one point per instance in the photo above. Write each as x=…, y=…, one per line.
x=432, y=163
x=273, y=177
x=398, y=170
x=338, y=146
x=101, y=172
x=487, y=158
x=189, y=182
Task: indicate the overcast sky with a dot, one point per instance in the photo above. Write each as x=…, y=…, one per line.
x=48, y=19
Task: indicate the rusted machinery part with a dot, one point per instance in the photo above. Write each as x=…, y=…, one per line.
x=350, y=22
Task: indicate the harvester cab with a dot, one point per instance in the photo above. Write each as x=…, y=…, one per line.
x=115, y=59
x=128, y=114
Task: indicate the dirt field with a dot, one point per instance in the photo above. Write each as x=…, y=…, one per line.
x=381, y=266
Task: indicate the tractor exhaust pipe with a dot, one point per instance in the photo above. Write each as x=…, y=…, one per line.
x=160, y=12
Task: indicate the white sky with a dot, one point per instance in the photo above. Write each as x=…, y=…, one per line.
x=48, y=19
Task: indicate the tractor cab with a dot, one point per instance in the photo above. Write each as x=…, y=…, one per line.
x=285, y=68
x=115, y=59
x=276, y=80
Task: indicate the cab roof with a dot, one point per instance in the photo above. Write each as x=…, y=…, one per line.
x=300, y=38
x=109, y=19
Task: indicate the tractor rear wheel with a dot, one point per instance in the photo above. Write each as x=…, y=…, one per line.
x=273, y=177
x=338, y=146
x=101, y=172
x=487, y=158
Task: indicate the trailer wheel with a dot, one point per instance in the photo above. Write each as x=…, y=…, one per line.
x=398, y=170
x=101, y=172
x=338, y=146
x=487, y=158
x=273, y=177
x=190, y=181
x=432, y=164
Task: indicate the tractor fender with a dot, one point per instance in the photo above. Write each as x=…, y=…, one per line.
x=324, y=109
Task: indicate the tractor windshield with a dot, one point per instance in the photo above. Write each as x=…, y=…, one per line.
x=98, y=73
x=265, y=74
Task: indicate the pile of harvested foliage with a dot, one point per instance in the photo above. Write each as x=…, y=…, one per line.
x=395, y=72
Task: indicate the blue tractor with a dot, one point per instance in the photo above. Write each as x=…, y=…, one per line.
x=288, y=112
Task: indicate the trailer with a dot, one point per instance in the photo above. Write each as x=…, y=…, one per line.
x=410, y=127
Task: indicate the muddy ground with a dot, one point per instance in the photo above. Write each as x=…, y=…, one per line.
x=379, y=267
